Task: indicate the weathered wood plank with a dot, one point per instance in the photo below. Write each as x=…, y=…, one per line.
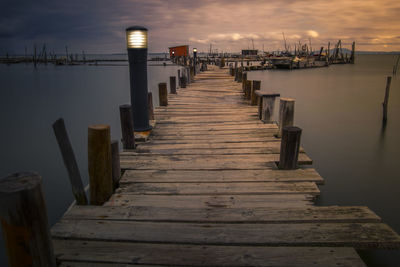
x=183, y=176
x=227, y=215
x=203, y=201
x=357, y=235
x=141, y=254
x=217, y=126
x=206, y=162
x=234, y=138
x=227, y=188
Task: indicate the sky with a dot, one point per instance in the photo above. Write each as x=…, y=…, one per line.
x=98, y=26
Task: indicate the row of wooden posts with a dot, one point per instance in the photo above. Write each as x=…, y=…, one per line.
x=290, y=143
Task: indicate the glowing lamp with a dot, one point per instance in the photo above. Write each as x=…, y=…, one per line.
x=194, y=60
x=136, y=40
x=136, y=37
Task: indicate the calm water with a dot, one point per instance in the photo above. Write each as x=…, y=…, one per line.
x=338, y=108
x=31, y=100
x=340, y=111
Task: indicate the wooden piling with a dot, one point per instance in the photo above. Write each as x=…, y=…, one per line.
x=247, y=89
x=256, y=85
x=286, y=114
x=24, y=221
x=172, y=84
x=99, y=160
x=70, y=162
x=244, y=79
x=179, y=78
x=115, y=163
x=386, y=100
x=150, y=105
x=126, y=117
x=266, y=105
x=290, y=146
x=191, y=74
x=163, y=94
x=188, y=80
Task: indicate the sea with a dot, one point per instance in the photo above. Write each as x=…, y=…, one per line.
x=338, y=108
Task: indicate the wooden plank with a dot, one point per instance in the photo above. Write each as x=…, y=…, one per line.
x=183, y=176
x=224, y=215
x=235, y=138
x=357, y=235
x=203, y=201
x=185, y=132
x=141, y=254
x=227, y=188
x=218, y=126
x=205, y=162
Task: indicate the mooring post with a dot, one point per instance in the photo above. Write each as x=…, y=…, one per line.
x=244, y=79
x=191, y=74
x=247, y=90
x=266, y=105
x=172, y=84
x=128, y=138
x=163, y=94
x=24, y=221
x=151, y=106
x=183, y=80
x=115, y=163
x=290, y=146
x=256, y=85
x=70, y=162
x=99, y=160
x=179, y=78
x=286, y=114
x=386, y=100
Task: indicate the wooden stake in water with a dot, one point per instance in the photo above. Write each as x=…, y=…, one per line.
x=386, y=100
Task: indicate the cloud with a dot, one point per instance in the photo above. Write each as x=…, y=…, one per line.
x=312, y=33
x=98, y=25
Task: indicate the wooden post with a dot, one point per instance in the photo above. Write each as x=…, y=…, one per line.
x=256, y=86
x=266, y=105
x=115, y=163
x=247, y=90
x=150, y=105
x=179, y=78
x=191, y=74
x=24, y=221
x=286, y=114
x=172, y=84
x=70, y=162
x=99, y=160
x=163, y=94
x=386, y=100
x=290, y=146
x=188, y=80
x=244, y=79
x=128, y=138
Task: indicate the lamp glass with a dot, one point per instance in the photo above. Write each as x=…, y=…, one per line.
x=194, y=49
x=136, y=39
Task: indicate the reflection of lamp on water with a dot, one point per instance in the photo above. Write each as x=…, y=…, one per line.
x=136, y=39
x=194, y=59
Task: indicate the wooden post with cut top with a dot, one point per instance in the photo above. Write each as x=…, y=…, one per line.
x=24, y=221
x=286, y=114
x=172, y=84
x=150, y=105
x=247, y=90
x=266, y=105
x=70, y=162
x=99, y=160
x=244, y=79
x=256, y=85
x=290, y=147
x=126, y=117
x=163, y=94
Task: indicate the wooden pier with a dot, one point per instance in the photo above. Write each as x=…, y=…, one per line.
x=205, y=190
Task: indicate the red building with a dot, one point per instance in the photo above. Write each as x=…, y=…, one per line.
x=178, y=51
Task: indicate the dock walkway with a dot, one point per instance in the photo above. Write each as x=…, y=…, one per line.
x=205, y=191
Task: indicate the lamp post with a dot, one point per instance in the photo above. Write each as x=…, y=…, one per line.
x=136, y=39
x=194, y=59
